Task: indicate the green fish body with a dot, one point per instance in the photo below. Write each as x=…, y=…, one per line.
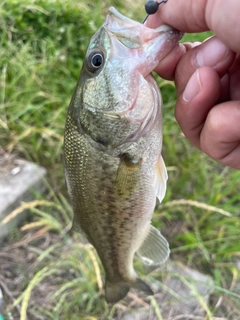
x=112, y=149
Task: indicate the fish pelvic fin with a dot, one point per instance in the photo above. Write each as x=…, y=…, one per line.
x=117, y=291
x=75, y=227
x=155, y=249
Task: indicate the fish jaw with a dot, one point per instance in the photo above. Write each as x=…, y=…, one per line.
x=147, y=46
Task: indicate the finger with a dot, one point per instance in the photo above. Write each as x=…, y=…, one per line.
x=220, y=136
x=192, y=107
x=212, y=53
x=166, y=67
x=202, y=15
x=235, y=79
x=187, y=16
x=190, y=45
x=214, y=130
x=224, y=92
x=227, y=30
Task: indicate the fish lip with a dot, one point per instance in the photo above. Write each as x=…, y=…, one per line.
x=117, y=14
x=165, y=28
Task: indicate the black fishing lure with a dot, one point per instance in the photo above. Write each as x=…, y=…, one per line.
x=151, y=7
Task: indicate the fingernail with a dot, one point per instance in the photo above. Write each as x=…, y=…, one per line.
x=212, y=52
x=193, y=87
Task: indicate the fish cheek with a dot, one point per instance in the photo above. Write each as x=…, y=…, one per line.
x=127, y=176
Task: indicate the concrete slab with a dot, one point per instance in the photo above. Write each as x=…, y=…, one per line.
x=19, y=180
x=188, y=290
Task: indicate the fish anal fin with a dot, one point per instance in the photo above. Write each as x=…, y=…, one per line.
x=161, y=179
x=117, y=291
x=154, y=249
x=142, y=286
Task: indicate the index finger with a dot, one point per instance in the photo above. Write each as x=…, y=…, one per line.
x=220, y=16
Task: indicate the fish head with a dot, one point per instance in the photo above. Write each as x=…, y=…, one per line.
x=115, y=89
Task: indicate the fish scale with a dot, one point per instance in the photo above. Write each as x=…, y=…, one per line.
x=112, y=149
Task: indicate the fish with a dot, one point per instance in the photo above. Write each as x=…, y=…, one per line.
x=112, y=149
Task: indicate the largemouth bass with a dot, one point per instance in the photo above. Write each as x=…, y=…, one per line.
x=112, y=149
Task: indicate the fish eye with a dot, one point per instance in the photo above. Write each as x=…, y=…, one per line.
x=95, y=60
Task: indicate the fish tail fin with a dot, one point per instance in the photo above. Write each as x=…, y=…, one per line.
x=117, y=291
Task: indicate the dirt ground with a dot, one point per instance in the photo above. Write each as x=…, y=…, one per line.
x=18, y=263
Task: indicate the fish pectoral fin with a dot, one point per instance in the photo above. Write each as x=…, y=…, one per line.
x=161, y=179
x=154, y=249
x=127, y=176
x=117, y=291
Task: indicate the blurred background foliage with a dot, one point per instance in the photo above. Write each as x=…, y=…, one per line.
x=43, y=43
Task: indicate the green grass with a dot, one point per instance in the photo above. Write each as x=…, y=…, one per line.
x=43, y=43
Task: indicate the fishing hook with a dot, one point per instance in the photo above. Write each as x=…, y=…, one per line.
x=151, y=7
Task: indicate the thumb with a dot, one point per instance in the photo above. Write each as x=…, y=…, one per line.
x=211, y=53
x=220, y=136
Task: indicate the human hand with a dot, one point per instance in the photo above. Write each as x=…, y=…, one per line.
x=207, y=75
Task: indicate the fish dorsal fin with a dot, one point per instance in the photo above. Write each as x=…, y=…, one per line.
x=154, y=249
x=161, y=179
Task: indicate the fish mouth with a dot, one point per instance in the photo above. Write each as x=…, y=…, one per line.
x=145, y=46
